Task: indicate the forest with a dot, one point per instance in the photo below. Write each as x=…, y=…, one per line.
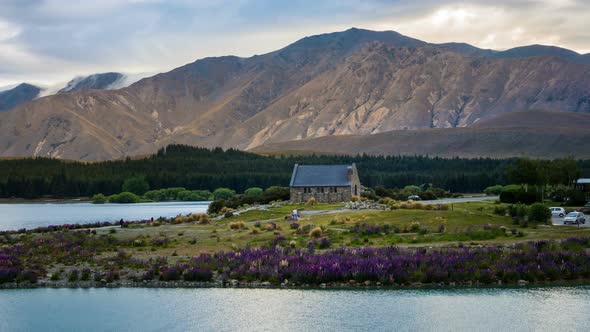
x=197, y=168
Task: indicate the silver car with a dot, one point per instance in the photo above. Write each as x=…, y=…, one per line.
x=557, y=211
x=574, y=218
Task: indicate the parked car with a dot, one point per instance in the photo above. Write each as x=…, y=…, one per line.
x=575, y=218
x=414, y=198
x=557, y=211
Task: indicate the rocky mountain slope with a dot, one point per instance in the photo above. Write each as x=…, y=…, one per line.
x=18, y=95
x=356, y=82
x=25, y=92
x=96, y=81
x=536, y=134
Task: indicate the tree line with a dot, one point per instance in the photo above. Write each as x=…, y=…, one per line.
x=197, y=168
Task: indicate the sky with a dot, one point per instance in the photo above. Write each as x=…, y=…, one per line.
x=51, y=41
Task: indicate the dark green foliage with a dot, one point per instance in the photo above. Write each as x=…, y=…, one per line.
x=223, y=193
x=99, y=199
x=270, y=194
x=137, y=185
x=177, y=193
x=493, y=190
x=254, y=191
x=517, y=194
x=207, y=169
x=124, y=197
x=539, y=213
x=575, y=198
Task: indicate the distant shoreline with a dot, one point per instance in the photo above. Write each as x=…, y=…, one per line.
x=234, y=284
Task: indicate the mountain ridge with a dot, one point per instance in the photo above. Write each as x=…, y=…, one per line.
x=355, y=82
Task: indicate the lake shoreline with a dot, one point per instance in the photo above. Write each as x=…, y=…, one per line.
x=267, y=285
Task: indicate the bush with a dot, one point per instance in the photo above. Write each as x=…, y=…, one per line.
x=237, y=225
x=99, y=199
x=197, y=274
x=500, y=210
x=539, y=213
x=137, y=185
x=316, y=232
x=193, y=195
x=517, y=210
x=575, y=198
x=276, y=193
x=223, y=193
x=74, y=275
x=216, y=206
x=493, y=190
x=516, y=194
x=254, y=191
x=124, y=197
x=312, y=201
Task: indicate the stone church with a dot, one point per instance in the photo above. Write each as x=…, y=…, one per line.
x=326, y=183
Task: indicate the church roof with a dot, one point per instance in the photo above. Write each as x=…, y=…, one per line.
x=321, y=175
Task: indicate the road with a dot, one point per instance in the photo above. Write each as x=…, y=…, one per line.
x=460, y=200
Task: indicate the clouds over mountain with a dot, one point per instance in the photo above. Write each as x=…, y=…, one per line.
x=46, y=41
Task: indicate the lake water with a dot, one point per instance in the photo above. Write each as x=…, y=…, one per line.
x=146, y=309
x=31, y=215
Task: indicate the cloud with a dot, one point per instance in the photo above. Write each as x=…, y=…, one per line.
x=53, y=40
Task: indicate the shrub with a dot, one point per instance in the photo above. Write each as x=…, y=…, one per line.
x=194, y=195
x=197, y=274
x=85, y=275
x=124, y=197
x=312, y=201
x=223, y=193
x=415, y=226
x=74, y=275
x=539, y=213
x=137, y=185
x=276, y=193
x=324, y=243
x=99, y=199
x=517, y=194
x=316, y=232
x=575, y=198
x=216, y=206
x=254, y=191
x=517, y=210
x=355, y=198
x=493, y=190
x=500, y=210
x=169, y=273
x=294, y=225
x=203, y=219
x=236, y=225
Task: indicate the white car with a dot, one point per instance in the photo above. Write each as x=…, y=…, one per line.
x=557, y=211
x=574, y=218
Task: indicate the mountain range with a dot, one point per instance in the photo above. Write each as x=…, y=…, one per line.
x=346, y=92
x=12, y=97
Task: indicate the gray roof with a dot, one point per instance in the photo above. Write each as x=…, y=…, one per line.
x=587, y=180
x=320, y=175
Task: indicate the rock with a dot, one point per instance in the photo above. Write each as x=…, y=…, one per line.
x=367, y=283
x=522, y=282
x=322, y=285
x=265, y=284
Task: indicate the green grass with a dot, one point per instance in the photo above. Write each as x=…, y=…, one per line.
x=463, y=223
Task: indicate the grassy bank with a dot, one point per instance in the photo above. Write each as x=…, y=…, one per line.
x=170, y=248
